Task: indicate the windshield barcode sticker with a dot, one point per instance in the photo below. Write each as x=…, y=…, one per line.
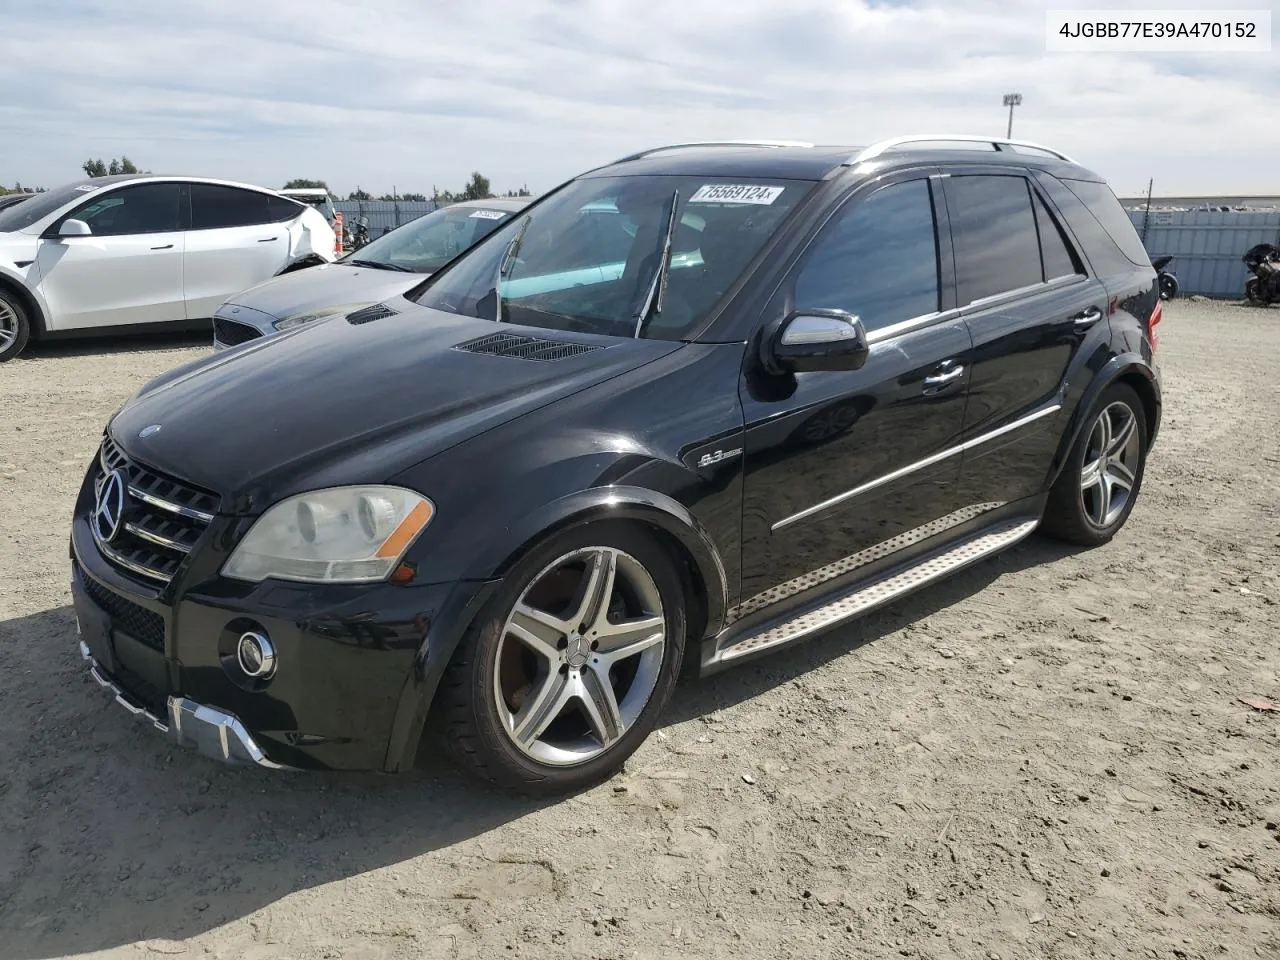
x=736, y=193
x=488, y=214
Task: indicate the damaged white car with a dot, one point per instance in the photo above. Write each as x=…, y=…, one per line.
x=137, y=251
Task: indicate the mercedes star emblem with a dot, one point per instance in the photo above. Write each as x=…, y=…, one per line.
x=108, y=514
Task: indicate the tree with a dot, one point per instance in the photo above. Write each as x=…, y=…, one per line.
x=415, y=197
x=477, y=188
x=300, y=184
x=358, y=194
x=96, y=168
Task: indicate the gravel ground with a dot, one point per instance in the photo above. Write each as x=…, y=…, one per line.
x=1045, y=757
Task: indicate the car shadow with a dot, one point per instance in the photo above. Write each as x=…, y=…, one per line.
x=91, y=346
x=110, y=836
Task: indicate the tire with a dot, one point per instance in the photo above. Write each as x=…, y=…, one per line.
x=521, y=703
x=1253, y=290
x=1168, y=286
x=15, y=325
x=1088, y=511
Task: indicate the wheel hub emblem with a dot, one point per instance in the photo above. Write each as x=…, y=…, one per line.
x=578, y=651
x=108, y=512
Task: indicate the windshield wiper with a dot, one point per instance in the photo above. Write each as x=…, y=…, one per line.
x=378, y=265
x=504, y=266
x=657, y=294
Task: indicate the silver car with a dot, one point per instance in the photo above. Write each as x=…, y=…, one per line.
x=384, y=268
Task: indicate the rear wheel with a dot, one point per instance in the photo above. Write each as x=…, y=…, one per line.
x=15, y=326
x=1168, y=286
x=1253, y=290
x=564, y=675
x=1097, y=489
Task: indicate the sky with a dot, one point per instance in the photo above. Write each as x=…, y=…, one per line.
x=413, y=94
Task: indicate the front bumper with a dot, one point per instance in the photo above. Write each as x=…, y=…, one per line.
x=210, y=731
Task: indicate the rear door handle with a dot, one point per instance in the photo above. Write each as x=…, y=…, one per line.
x=167, y=246
x=268, y=239
x=1086, y=318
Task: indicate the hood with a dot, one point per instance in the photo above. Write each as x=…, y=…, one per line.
x=325, y=286
x=21, y=246
x=337, y=402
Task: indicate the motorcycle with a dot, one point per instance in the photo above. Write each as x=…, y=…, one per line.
x=1168, y=282
x=1263, y=262
x=357, y=237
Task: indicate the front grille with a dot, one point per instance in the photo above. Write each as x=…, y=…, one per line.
x=138, y=622
x=162, y=522
x=525, y=348
x=231, y=333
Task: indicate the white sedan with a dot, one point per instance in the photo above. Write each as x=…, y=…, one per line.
x=137, y=250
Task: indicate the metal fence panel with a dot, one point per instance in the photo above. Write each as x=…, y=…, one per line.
x=384, y=213
x=1207, y=245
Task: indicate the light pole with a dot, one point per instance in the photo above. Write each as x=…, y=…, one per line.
x=1011, y=100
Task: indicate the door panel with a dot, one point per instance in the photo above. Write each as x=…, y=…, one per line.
x=108, y=281
x=837, y=432
x=238, y=239
x=220, y=263
x=1032, y=313
x=838, y=461
x=129, y=270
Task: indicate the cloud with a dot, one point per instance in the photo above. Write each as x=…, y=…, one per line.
x=414, y=94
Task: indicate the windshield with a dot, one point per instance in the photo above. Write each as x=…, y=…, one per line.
x=428, y=243
x=24, y=214
x=590, y=254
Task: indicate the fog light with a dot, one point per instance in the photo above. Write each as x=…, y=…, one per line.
x=256, y=655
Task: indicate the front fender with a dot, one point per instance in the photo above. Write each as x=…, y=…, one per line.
x=1129, y=367
x=23, y=280
x=469, y=597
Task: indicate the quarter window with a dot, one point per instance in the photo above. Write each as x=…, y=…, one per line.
x=878, y=258
x=1055, y=250
x=994, y=230
x=215, y=207
x=145, y=208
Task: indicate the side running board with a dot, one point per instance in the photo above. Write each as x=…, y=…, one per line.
x=868, y=596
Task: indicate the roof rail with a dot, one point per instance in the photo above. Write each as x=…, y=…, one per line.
x=999, y=143
x=715, y=143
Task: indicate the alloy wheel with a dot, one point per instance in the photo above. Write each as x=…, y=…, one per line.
x=580, y=655
x=8, y=325
x=1111, y=462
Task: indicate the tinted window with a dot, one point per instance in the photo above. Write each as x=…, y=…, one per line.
x=878, y=259
x=994, y=230
x=1059, y=259
x=282, y=208
x=1106, y=209
x=214, y=206
x=1103, y=254
x=146, y=208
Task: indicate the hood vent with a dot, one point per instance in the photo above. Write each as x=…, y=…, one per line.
x=525, y=348
x=368, y=314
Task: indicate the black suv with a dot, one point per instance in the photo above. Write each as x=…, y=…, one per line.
x=691, y=408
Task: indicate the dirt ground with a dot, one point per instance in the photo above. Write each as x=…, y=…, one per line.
x=1044, y=757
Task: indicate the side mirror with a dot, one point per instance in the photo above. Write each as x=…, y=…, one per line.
x=820, y=340
x=74, y=228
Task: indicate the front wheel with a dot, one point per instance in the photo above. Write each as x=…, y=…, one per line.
x=1168, y=286
x=15, y=328
x=1098, y=486
x=1253, y=290
x=564, y=675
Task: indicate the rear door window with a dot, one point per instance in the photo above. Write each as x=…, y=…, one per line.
x=214, y=207
x=993, y=228
x=877, y=259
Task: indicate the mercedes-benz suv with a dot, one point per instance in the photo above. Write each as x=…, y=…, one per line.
x=687, y=409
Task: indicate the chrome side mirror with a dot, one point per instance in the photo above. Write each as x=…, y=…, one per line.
x=820, y=340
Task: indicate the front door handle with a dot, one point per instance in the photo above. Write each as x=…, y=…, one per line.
x=950, y=375
x=268, y=239
x=1086, y=318
x=167, y=246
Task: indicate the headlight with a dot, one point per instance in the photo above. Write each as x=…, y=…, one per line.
x=298, y=320
x=339, y=535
